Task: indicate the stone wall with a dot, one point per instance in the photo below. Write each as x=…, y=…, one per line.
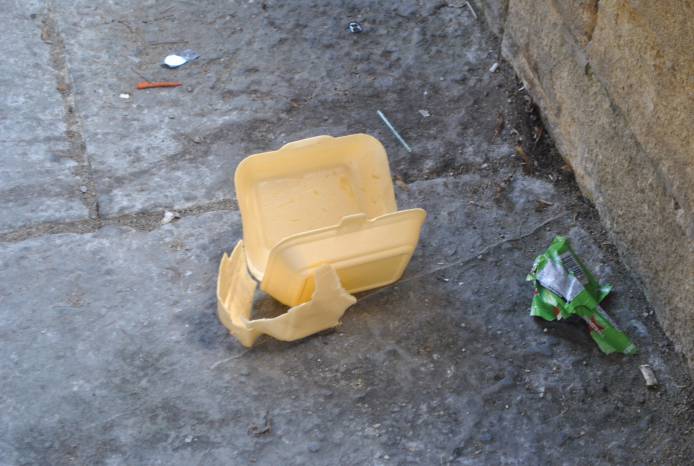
x=615, y=82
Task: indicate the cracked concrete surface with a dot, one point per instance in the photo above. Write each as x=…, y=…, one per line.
x=37, y=178
x=112, y=350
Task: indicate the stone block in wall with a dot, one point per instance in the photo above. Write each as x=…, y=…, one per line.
x=643, y=54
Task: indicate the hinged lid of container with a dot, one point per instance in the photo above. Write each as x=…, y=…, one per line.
x=307, y=185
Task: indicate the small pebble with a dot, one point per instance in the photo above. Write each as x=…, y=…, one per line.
x=124, y=96
x=83, y=189
x=645, y=422
x=563, y=438
x=188, y=439
x=313, y=447
x=197, y=139
x=169, y=217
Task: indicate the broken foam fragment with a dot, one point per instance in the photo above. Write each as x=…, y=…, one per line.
x=235, y=291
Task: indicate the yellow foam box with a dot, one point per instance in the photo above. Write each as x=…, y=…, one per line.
x=317, y=208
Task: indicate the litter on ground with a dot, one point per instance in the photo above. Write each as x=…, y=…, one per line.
x=354, y=27
x=309, y=239
x=648, y=375
x=174, y=61
x=152, y=85
x=394, y=131
x=565, y=288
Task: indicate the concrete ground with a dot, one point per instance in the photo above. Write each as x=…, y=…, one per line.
x=112, y=352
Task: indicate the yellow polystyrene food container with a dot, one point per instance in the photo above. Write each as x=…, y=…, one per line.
x=316, y=203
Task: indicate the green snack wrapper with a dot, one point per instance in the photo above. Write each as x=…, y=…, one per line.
x=564, y=288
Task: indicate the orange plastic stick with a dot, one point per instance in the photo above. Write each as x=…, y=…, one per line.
x=150, y=85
